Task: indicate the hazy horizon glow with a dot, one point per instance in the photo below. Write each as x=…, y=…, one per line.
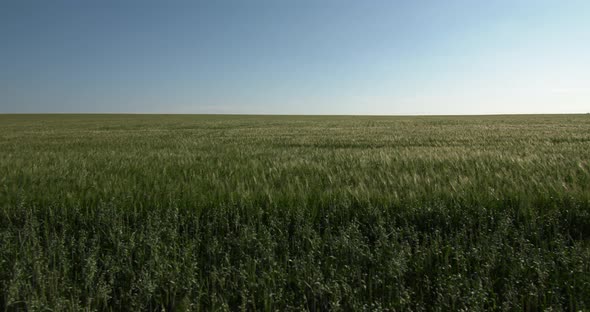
x=295, y=57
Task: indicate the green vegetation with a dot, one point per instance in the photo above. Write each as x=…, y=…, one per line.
x=152, y=212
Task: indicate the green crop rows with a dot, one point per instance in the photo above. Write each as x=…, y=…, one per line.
x=181, y=212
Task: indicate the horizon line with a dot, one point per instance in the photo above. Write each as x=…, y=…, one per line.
x=296, y=115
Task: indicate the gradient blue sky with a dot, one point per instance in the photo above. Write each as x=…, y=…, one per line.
x=295, y=57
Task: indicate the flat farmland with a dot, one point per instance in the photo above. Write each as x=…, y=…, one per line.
x=224, y=212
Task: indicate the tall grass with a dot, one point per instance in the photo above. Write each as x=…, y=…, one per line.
x=152, y=212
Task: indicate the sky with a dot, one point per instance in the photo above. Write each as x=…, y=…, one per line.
x=295, y=57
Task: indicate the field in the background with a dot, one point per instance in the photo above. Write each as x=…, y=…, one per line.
x=144, y=212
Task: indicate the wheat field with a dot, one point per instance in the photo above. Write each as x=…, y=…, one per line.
x=278, y=213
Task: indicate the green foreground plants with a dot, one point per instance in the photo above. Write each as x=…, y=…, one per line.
x=190, y=212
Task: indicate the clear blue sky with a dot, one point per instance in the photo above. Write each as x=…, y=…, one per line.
x=295, y=56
